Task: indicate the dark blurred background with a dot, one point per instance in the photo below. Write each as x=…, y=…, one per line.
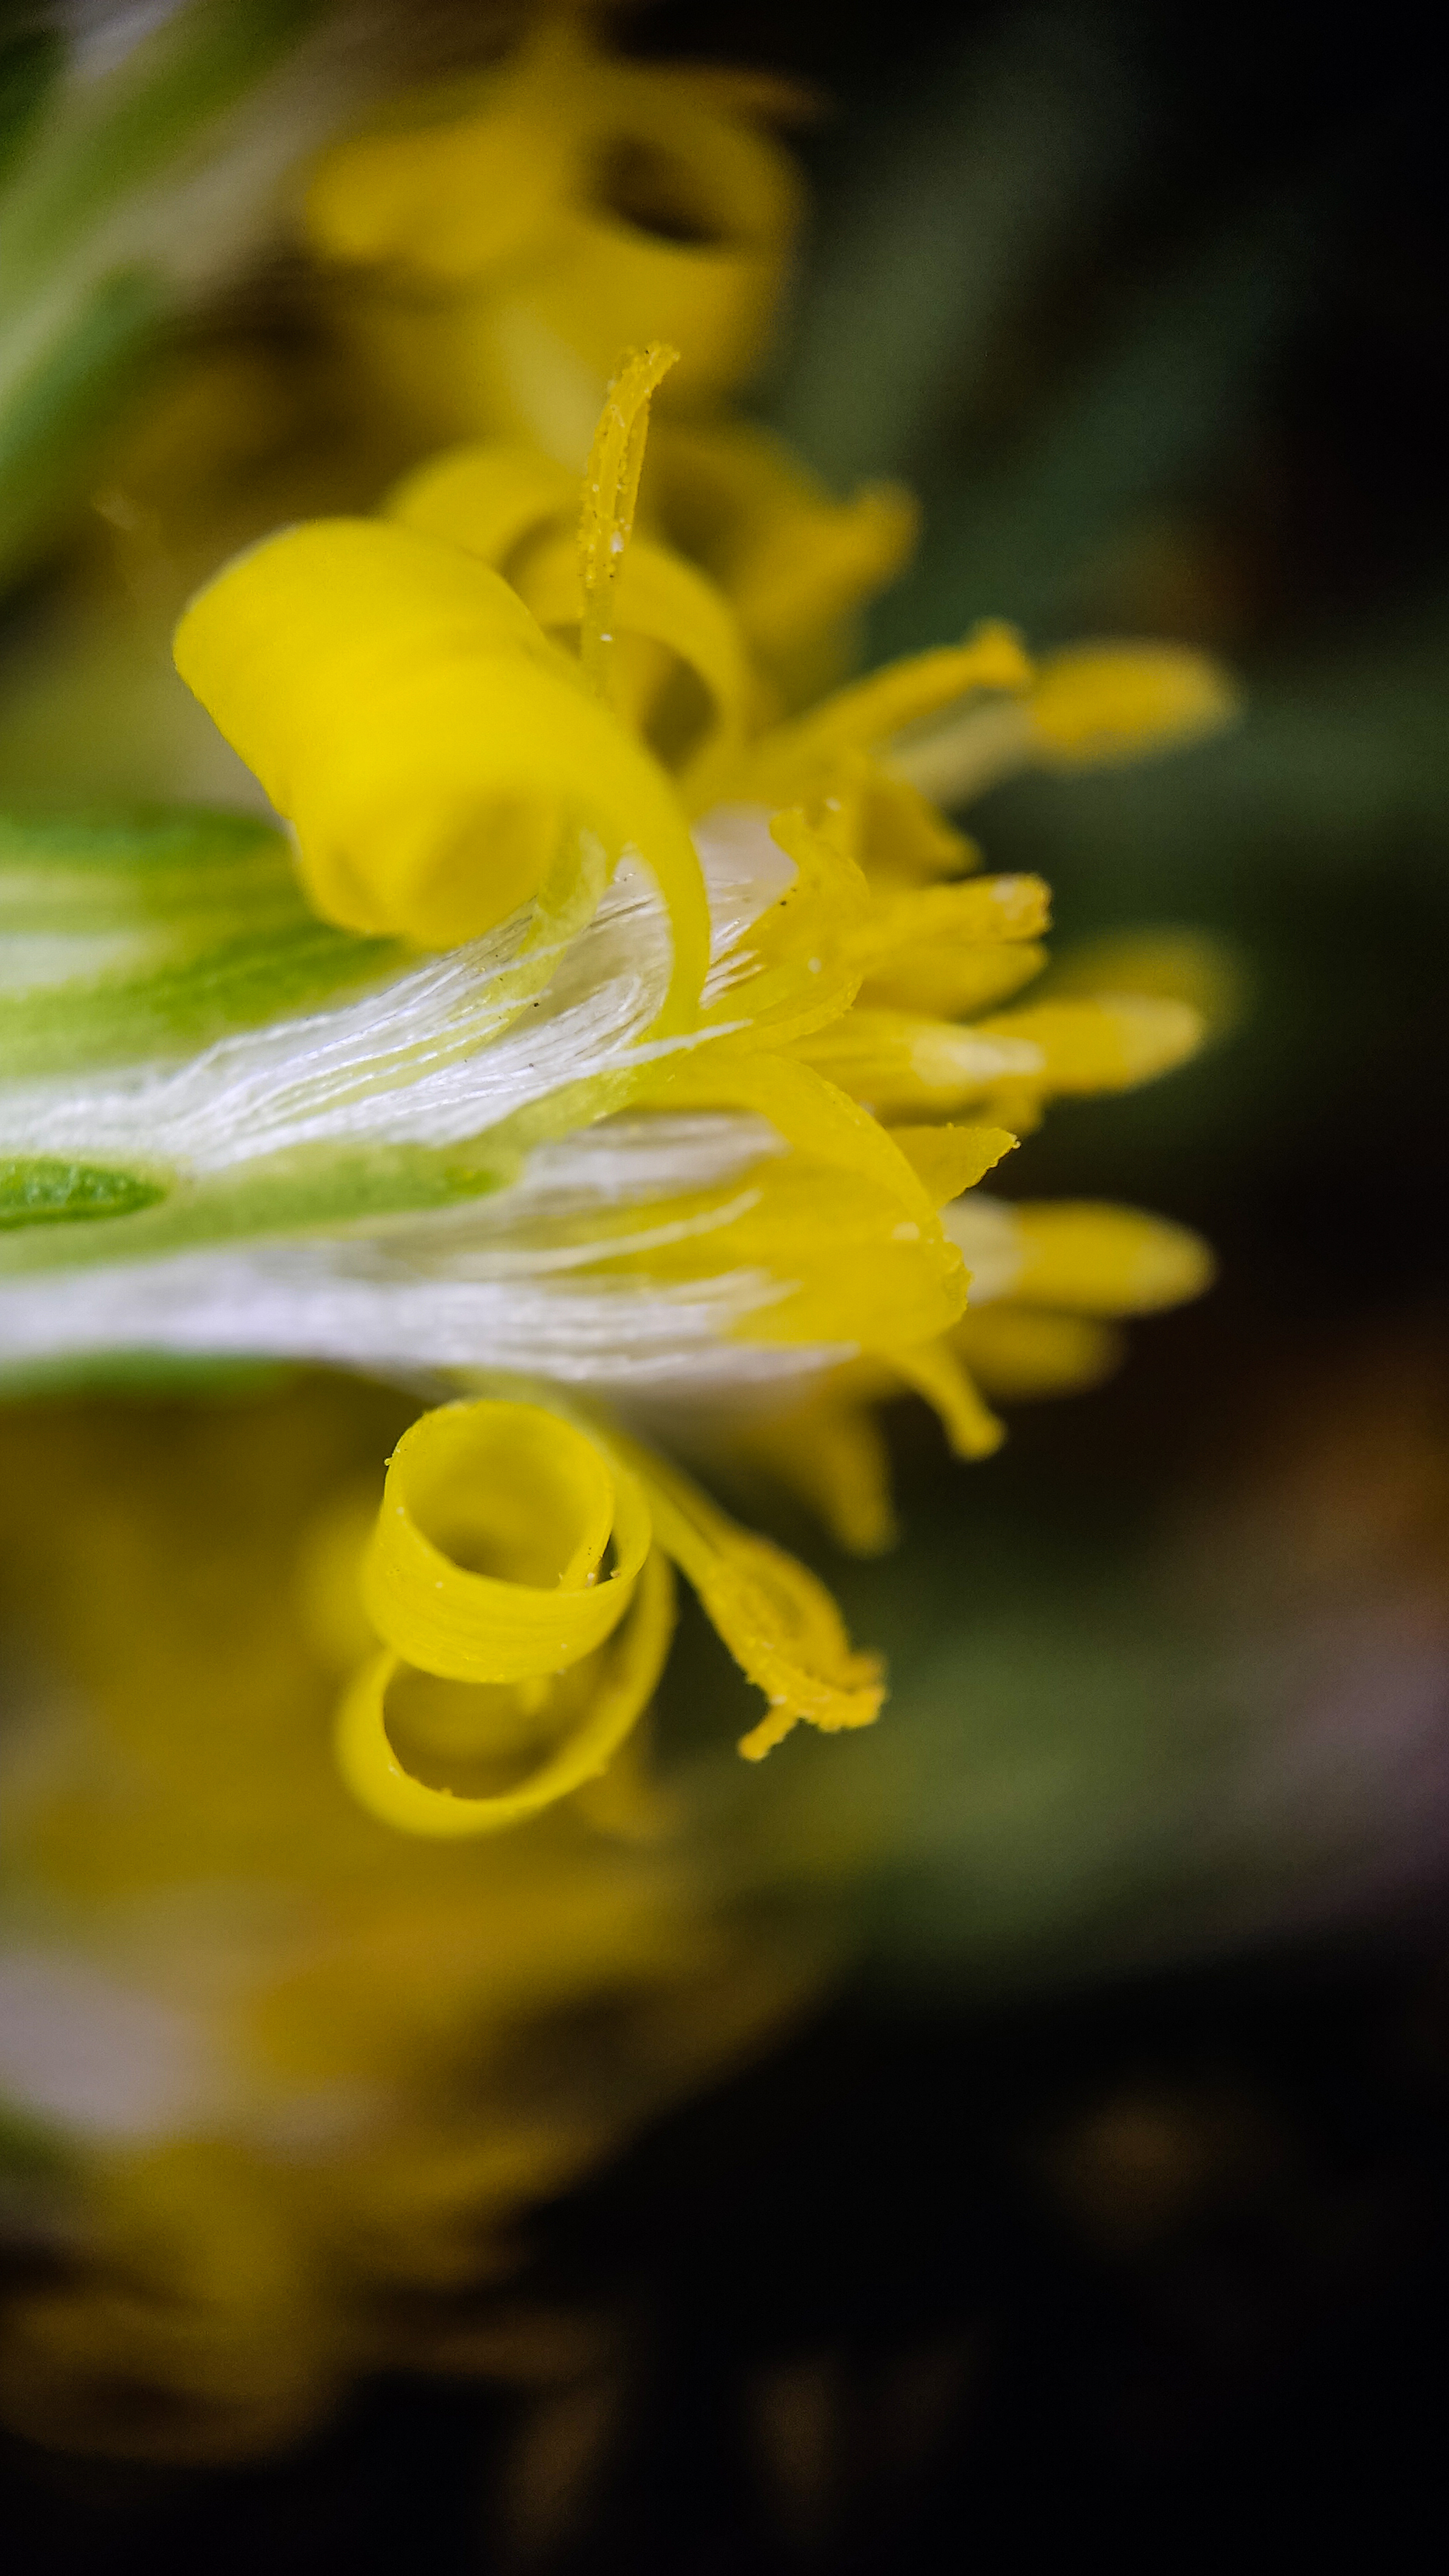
x=1106, y=2206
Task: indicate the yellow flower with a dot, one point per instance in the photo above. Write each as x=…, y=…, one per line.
x=497, y=241
x=671, y=1111
x=561, y=754
x=625, y=1048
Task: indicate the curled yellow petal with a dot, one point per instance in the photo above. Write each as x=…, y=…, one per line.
x=495, y=1520
x=494, y=499
x=1099, y=703
x=680, y=217
x=590, y=1709
x=788, y=559
x=441, y=763
x=678, y=669
x=513, y=1665
x=503, y=236
x=454, y=194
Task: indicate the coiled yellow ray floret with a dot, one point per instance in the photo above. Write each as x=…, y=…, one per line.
x=484, y=1578
x=514, y=1663
x=441, y=763
x=499, y=239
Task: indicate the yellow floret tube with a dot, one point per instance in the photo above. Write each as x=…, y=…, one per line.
x=1096, y=704
x=805, y=756
x=440, y=761
x=1105, y=1042
x=1099, y=1260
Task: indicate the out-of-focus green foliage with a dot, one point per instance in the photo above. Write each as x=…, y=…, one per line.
x=124, y=194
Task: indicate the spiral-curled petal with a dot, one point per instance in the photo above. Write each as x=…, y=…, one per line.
x=593, y=1706
x=507, y=1647
x=661, y=618
x=442, y=764
x=1096, y=704
x=508, y=234
x=495, y=1521
x=514, y=1665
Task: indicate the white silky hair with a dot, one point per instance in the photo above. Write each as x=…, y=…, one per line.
x=438, y=1054
x=299, y=1301
x=491, y=1281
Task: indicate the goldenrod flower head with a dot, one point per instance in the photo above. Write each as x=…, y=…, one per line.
x=635, y=1063
x=608, y=1036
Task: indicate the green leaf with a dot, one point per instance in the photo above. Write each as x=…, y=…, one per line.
x=96, y=258
x=137, y=934
x=145, y=1377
